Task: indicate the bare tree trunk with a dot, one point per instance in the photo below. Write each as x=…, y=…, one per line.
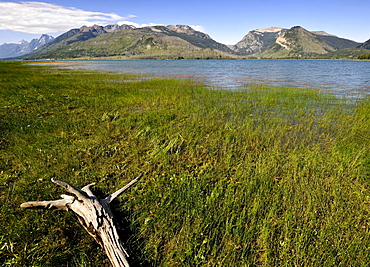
x=94, y=214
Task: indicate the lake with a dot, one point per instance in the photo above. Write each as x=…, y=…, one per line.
x=351, y=78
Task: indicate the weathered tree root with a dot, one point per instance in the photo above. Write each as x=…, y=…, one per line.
x=94, y=214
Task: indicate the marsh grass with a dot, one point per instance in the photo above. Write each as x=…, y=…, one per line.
x=261, y=176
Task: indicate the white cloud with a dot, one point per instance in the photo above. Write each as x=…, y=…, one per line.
x=198, y=28
x=39, y=17
x=137, y=25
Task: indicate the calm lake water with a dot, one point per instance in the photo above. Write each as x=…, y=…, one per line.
x=342, y=77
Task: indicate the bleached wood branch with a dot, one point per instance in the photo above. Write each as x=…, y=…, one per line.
x=94, y=214
x=111, y=197
x=60, y=204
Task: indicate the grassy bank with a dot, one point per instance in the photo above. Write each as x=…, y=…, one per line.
x=262, y=176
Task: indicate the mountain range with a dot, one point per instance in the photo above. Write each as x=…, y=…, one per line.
x=23, y=47
x=183, y=42
x=126, y=41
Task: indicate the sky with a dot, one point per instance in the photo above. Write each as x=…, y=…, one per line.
x=225, y=21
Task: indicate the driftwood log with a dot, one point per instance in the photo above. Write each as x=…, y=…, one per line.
x=94, y=214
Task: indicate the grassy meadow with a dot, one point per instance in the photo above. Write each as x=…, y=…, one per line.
x=260, y=176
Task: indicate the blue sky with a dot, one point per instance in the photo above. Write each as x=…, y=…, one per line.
x=225, y=21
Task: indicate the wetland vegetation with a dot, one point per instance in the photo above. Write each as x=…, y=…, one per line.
x=259, y=176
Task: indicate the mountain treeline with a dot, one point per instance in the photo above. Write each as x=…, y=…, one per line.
x=364, y=56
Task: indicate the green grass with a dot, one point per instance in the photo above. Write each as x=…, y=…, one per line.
x=261, y=176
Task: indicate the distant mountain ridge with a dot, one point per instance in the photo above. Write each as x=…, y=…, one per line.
x=257, y=40
x=172, y=41
x=183, y=42
x=295, y=42
x=85, y=33
x=365, y=45
x=23, y=47
x=335, y=41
